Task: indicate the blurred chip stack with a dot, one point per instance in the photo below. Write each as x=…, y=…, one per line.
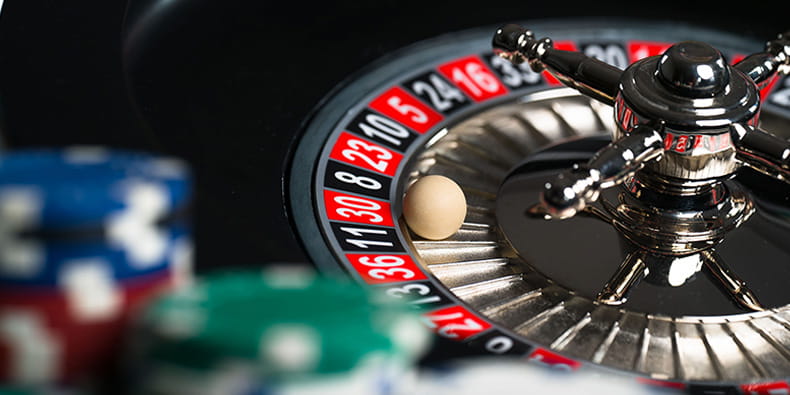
x=284, y=331
x=87, y=235
x=511, y=375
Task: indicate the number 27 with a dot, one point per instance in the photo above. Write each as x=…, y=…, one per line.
x=449, y=330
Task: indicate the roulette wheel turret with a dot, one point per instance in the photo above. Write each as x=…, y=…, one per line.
x=684, y=128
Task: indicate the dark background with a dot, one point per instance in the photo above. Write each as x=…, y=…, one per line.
x=226, y=84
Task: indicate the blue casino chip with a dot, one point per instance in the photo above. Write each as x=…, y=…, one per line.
x=54, y=264
x=87, y=187
x=118, y=210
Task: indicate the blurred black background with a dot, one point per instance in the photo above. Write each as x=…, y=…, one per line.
x=226, y=84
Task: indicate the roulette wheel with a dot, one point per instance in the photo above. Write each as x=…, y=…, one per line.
x=330, y=190
x=509, y=280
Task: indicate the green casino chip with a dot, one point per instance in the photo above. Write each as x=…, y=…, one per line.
x=279, y=326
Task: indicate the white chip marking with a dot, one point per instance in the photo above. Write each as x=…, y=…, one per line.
x=185, y=316
x=181, y=262
x=35, y=354
x=135, y=230
x=90, y=289
x=291, y=347
x=20, y=210
x=289, y=276
x=168, y=168
x=411, y=335
x=181, y=323
x=86, y=155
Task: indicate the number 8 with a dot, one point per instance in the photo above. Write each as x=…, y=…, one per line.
x=364, y=182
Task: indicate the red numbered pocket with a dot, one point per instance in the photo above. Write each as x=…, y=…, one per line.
x=343, y=207
x=360, y=152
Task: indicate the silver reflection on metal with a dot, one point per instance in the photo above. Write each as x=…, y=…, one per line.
x=688, y=96
x=686, y=122
x=479, y=266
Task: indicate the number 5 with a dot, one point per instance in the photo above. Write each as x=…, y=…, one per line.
x=406, y=109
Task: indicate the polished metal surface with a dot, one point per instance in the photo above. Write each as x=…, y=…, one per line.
x=665, y=223
x=683, y=118
x=574, y=190
x=647, y=94
x=688, y=119
x=763, y=151
x=588, y=75
x=763, y=67
x=669, y=242
x=480, y=266
x=693, y=69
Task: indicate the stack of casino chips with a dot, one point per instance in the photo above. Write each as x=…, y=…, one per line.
x=285, y=331
x=87, y=235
